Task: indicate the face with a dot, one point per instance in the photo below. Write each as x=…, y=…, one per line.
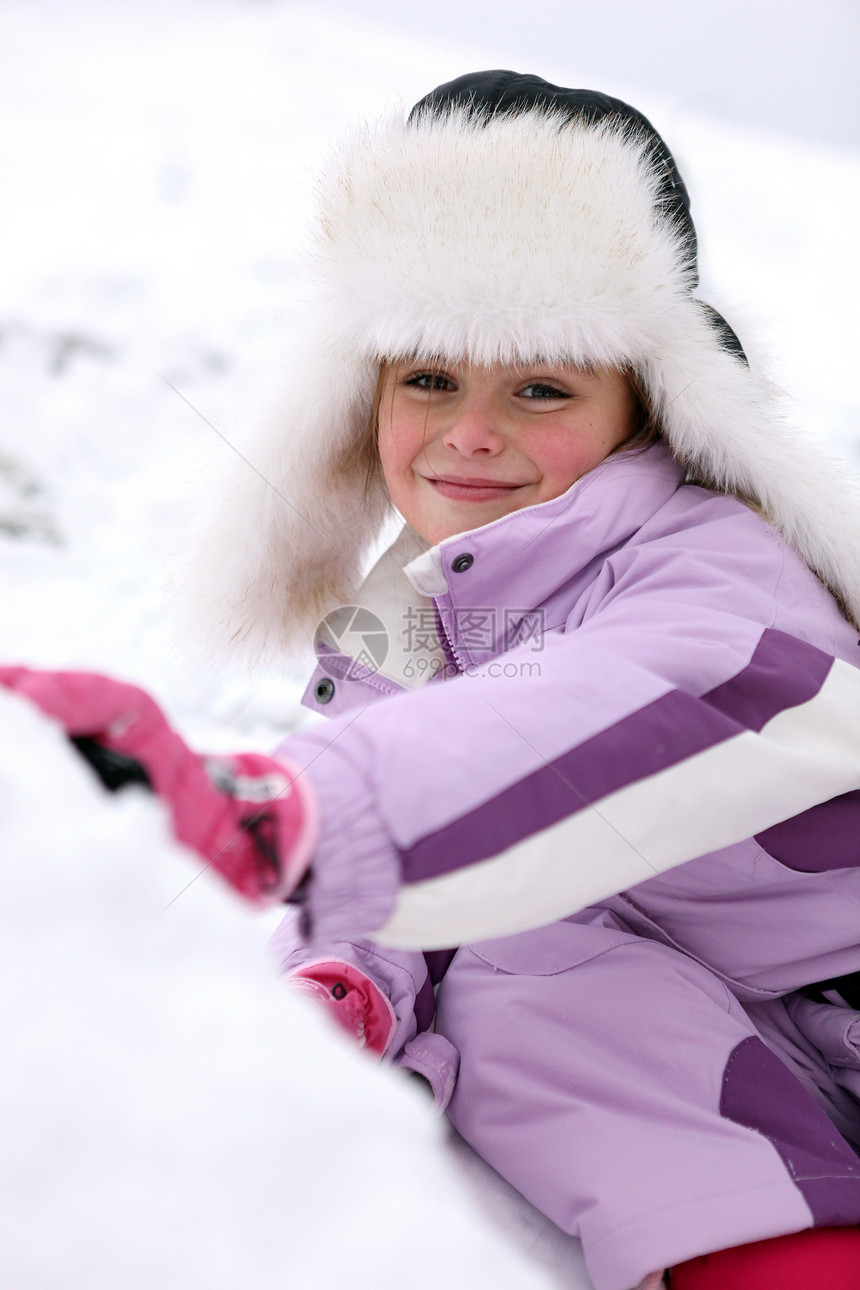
x=464, y=445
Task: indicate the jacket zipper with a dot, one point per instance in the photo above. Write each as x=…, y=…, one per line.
x=445, y=641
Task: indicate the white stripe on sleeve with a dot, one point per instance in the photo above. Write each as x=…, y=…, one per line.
x=805, y=755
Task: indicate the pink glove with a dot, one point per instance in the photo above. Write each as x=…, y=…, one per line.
x=253, y=819
x=352, y=1000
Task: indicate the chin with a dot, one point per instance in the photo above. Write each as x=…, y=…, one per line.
x=466, y=520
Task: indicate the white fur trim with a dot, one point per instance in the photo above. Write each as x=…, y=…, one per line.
x=527, y=237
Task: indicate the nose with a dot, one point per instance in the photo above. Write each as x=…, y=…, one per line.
x=474, y=429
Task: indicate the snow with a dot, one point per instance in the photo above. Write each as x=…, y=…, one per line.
x=171, y=1115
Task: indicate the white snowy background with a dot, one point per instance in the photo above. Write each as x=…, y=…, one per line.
x=169, y=1116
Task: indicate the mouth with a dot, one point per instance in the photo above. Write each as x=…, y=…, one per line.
x=472, y=489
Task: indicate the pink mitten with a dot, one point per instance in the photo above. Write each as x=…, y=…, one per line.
x=352, y=1000
x=253, y=819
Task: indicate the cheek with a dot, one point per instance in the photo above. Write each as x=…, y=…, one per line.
x=401, y=438
x=566, y=453
x=392, y=468
x=386, y=446
x=391, y=453
x=401, y=441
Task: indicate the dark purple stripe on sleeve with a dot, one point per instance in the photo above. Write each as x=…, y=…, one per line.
x=761, y=1093
x=782, y=673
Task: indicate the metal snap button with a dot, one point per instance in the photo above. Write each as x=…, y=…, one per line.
x=462, y=562
x=325, y=690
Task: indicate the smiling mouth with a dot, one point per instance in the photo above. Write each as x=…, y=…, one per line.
x=471, y=490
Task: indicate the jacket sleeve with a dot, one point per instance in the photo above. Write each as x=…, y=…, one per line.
x=405, y=978
x=673, y=722
x=401, y=975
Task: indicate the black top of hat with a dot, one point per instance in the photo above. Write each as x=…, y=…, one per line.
x=498, y=92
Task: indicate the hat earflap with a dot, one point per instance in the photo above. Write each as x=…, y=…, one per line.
x=285, y=537
x=722, y=422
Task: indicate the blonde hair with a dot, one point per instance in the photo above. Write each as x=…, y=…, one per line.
x=648, y=430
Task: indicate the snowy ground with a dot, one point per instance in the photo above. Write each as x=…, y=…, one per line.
x=171, y=1115
x=171, y=1118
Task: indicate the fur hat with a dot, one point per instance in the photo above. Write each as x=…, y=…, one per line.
x=506, y=220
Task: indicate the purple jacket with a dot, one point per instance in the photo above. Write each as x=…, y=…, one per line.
x=632, y=709
x=682, y=685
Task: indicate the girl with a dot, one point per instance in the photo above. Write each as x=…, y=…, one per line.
x=579, y=844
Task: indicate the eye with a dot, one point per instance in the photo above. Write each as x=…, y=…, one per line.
x=429, y=381
x=542, y=390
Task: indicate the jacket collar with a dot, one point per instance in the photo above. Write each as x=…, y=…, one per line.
x=526, y=574
x=529, y=568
